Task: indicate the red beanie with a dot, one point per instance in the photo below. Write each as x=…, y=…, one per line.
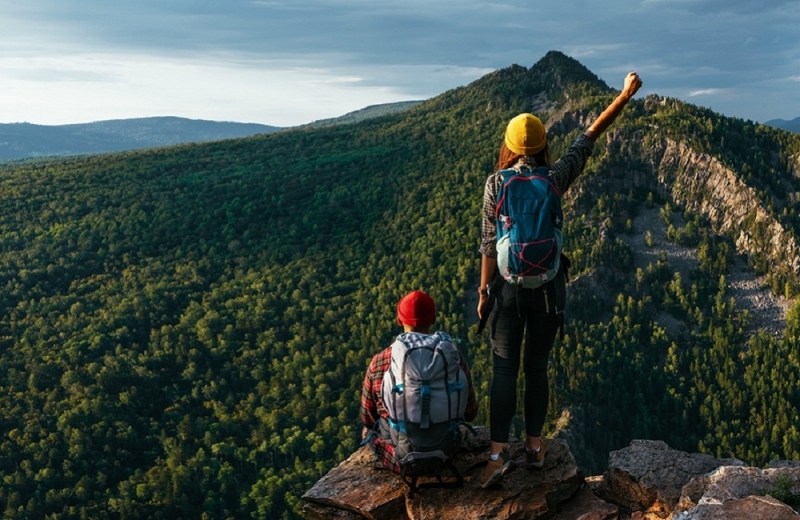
x=416, y=309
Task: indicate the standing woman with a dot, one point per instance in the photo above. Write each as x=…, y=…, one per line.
x=525, y=148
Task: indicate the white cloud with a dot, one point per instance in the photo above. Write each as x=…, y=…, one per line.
x=321, y=58
x=274, y=92
x=705, y=92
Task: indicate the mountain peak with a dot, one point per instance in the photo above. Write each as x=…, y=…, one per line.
x=566, y=71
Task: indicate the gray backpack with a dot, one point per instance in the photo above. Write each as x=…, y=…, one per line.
x=425, y=393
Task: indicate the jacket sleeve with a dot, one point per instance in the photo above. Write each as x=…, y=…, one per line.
x=488, y=228
x=566, y=170
x=369, y=396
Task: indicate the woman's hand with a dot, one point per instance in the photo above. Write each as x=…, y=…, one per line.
x=632, y=84
x=488, y=270
x=483, y=297
x=609, y=115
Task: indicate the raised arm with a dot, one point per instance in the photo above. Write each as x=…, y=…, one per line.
x=632, y=84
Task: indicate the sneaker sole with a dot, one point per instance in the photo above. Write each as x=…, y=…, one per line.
x=497, y=476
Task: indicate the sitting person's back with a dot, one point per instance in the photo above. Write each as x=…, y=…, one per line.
x=450, y=395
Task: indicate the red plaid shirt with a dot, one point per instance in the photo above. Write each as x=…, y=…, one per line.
x=372, y=407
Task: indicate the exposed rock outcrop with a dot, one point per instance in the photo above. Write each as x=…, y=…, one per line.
x=648, y=476
x=706, y=186
x=356, y=488
x=647, y=480
x=651, y=481
x=750, y=508
x=742, y=489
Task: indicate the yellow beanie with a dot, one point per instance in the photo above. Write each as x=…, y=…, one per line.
x=525, y=135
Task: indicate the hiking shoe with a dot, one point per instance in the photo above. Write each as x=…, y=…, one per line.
x=535, y=459
x=495, y=469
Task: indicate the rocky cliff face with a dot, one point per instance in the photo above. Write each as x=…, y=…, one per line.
x=696, y=181
x=704, y=185
x=645, y=481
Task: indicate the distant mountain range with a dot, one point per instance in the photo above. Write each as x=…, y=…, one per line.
x=26, y=140
x=792, y=126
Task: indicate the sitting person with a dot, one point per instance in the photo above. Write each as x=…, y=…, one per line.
x=416, y=313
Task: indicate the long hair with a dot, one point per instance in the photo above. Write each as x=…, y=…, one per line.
x=507, y=158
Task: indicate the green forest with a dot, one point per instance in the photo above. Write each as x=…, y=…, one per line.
x=184, y=330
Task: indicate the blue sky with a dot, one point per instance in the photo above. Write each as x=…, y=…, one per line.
x=288, y=62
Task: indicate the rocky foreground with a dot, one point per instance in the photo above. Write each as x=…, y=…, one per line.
x=645, y=481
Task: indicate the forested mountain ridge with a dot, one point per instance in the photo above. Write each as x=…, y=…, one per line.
x=183, y=331
x=705, y=185
x=362, y=114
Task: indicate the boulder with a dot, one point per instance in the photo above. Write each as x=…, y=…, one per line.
x=784, y=464
x=356, y=486
x=750, y=508
x=648, y=477
x=737, y=483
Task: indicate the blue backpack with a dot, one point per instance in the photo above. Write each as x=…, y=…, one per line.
x=529, y=220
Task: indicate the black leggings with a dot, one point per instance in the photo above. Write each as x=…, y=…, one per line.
x=518, y=310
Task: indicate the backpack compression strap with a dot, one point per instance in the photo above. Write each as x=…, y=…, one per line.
x=425, y=389
x=425, y=420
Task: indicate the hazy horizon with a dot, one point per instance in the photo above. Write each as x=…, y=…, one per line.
x=281, y=63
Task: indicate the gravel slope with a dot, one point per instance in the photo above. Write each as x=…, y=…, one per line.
x=768, y=311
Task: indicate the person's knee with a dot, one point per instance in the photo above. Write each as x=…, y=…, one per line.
x=504, y=367
x=535, y=368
